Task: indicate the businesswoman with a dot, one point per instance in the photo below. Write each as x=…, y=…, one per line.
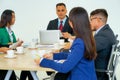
x=7, y=36
x=80, y=59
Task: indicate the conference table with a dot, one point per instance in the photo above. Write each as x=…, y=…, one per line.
x=23, y=61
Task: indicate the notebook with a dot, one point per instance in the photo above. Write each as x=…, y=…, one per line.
x=49, y=36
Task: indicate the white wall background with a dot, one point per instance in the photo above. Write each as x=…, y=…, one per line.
x=33, y=15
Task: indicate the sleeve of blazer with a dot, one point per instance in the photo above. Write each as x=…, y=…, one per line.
x=74, y=57
x=105, y=38
x=59, y=56
x=48, y=27
x=53, y=25
x=101, y=42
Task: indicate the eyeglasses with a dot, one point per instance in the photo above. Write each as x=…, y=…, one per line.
x=96, y=18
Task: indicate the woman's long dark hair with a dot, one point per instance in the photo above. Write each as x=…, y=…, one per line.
x=81, y=27
x=6, y=18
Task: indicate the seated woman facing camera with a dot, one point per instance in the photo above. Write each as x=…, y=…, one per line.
x=7, y=37
x=80, y=60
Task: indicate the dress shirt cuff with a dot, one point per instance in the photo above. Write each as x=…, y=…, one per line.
x=41, y=59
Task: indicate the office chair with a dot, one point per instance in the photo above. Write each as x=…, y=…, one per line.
x=112, y=64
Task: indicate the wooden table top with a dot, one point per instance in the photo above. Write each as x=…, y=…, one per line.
x=20, y=62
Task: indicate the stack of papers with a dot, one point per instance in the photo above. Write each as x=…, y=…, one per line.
x=45, y=46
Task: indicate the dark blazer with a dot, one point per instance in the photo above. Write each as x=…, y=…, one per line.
x=53, y=25
x=5, y=38
x=105, y=38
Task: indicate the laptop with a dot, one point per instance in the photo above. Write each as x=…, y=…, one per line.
x=49, y=36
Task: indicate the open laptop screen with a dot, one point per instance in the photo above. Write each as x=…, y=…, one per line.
x=49, y=36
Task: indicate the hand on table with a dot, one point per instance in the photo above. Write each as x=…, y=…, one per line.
x=48, y=56
x=19, y=42
x=66, y=34
x=4, y=49
x=14, y=45
x=37, y=60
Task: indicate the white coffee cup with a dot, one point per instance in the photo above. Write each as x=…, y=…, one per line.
x=19, y=49
x=61, y=41
x=10, y=53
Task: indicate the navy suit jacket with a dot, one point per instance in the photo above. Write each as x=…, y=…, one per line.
x=53, y=25
x=105, y=38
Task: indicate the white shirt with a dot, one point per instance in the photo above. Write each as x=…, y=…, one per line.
x=62, y=22
x=99, y=29
x=10, y=32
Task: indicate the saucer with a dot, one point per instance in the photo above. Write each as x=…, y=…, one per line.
x=6, y=56
x=32, y=47
x=19, y=52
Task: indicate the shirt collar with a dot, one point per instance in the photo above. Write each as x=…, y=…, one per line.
x=9, y=30
x=62, y=20
x=99, y=29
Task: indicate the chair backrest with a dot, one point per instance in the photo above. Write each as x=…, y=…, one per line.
x=113, y=61
x=116, y=61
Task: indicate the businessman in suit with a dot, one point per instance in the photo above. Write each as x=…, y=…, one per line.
x=67, y=32
x=104, y=38
x=62, y=19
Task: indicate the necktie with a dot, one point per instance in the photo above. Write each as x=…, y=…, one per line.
x=61, y=26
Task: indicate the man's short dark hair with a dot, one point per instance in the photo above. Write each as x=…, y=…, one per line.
x=102, y=12
x=61, y=4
